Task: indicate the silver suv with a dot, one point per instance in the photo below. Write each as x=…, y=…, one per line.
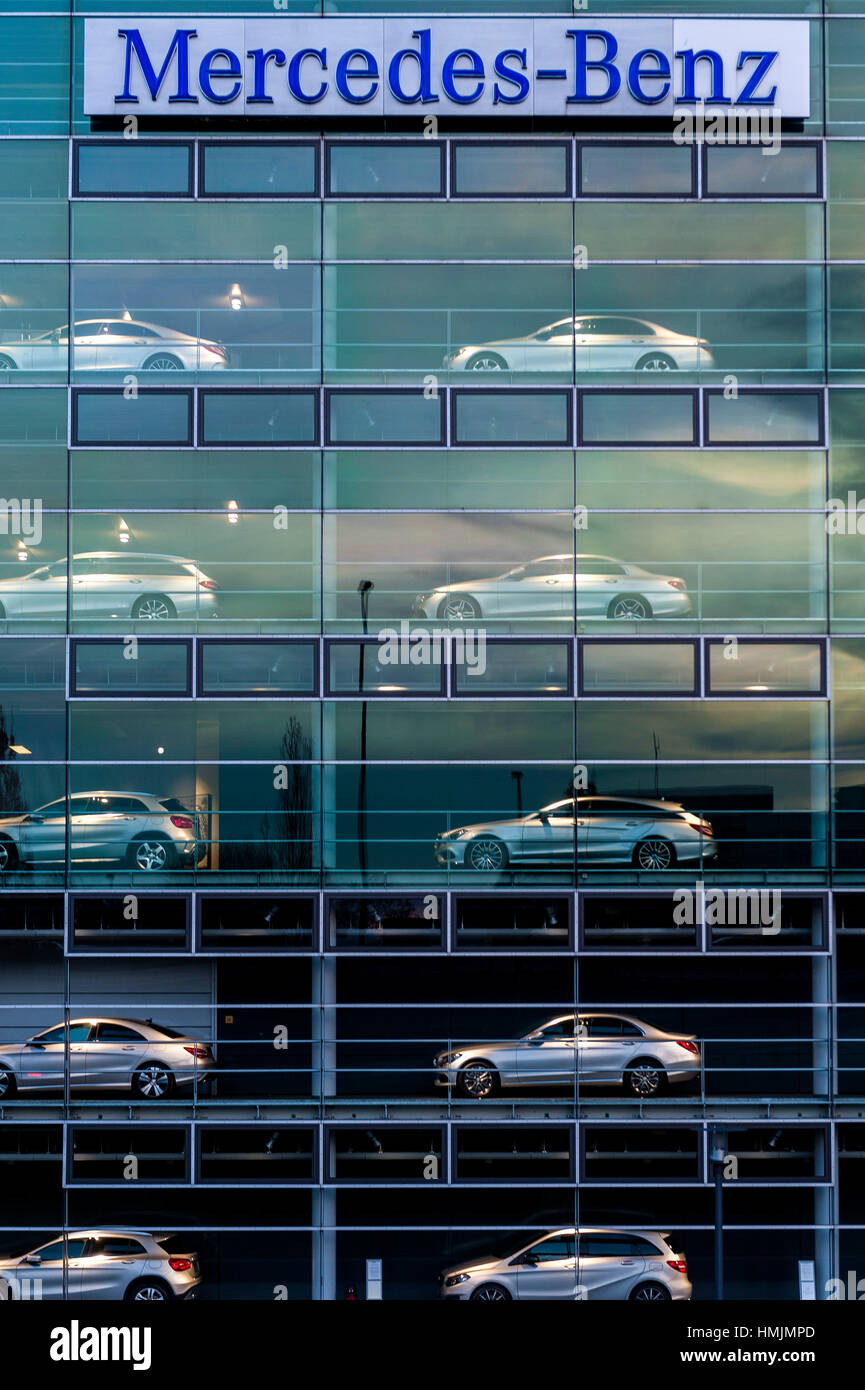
x=591, y=1262
x=112, y=584
x=105, y=1054
x=126, y=1264
x=139, y=829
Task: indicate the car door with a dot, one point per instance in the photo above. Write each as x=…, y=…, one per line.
x=107, y=1266
x=117, y=346
x=45, y=1279
x=42, y=835
x=548, y=1269
x=613, y=828
x=608, y=1264
x=43, y=1062
x=39, y=594
x=547, y=1056
x=551, y=349
x=543, y=589
x=599, y=1048
x=86, y=337
x=113, y=1054
x=598, y=581
x=100, y=826
x=548, y=834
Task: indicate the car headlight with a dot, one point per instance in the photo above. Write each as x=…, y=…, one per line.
x=456, y=1279
x=447, y=1058
x=452, y=834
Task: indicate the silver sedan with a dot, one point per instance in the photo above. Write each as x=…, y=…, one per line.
x=592, y=342
x=599, y=585
x=105, y=1054
x=585, y=1049
x=132, y=1265
x=114, y=344
x=585, y=1263
x=137, y=585
x=650, y=835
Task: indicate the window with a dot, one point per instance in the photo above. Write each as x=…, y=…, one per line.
x=258, y=417
x=391, y=417
x=153, y=417
x=257, y=667
x=132, y=168
x=617, y=1244
x=764, y=417
x=114, y=1245
x=116, y=667
x=516, y=668
x=60, y=1250
x=636, y=667
x=115, y=1032
x=554, y=1248
x=638, y=417
x=511, y=170
x=383, y=667
x=412, y=168
x=78, y=1033
x=766, y=668
x=645, y=170
x=759, y=171
x=266, y=169
x=562, y=1028
x=509, y=418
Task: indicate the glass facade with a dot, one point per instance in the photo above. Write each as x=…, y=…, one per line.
x=432, y=674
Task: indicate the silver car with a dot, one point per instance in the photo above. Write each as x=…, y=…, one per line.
x=589, y=1262
x=599, y=585
x=105, y=1054
x=135, y=1266
x=592, y=342
x=112, y=584
x=117, y=344
x=650, y=835
x=591, y=1049
x=138, y=829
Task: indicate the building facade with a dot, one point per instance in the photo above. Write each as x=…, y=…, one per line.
x=433, y=642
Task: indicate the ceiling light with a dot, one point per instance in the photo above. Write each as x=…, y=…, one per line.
x=235, y=297
x=19, y=749
x=232, y=510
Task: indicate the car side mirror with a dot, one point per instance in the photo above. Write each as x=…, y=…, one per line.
x=535, y=1038
x=544, y=817
x=530, y=1258
x=33, y=819
x=34, y=1259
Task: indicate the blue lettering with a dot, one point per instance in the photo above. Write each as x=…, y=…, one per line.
x=748, y=96
x=179, y=45
x=585, y=64
x=208, y=72
x=260, y=60
x=424, y=92
x=451, y=75
x=294, y=75
x=345, y=75
x=510, y=75
x=690, y=59
x=638, y=73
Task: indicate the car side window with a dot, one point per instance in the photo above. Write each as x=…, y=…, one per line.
x=630, y=1030
x=605, y=1028
x=115, y=1032
x=74, y=1250
x=114, y=1245
x=562, y=1028
x=556, y=1248
x=78, y=1033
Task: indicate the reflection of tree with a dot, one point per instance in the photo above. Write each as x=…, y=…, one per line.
x=287, y=833
x=11, y=795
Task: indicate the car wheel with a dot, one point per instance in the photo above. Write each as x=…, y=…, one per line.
x=148, y=1291
x=7, y=1293
x=645, y=1078
x=153, y=1081
x=629, y=606
x=487, y=855
x=654, y=854
x=478, y=1080
x=657, y=362
x=163, y=362
x=8, y=855
x=492, y=1293
x=6, y=363
x=7, y=1084
x=459, y=608
x=650, y=1293
x=150, y=854
x=153, y=608
x=486, y=362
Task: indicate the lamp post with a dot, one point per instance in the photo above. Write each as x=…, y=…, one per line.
x=364, y=588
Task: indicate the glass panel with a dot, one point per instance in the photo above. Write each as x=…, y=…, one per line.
x=152, y=417
x=356, y=417
x=134, y=166
x=502, y=923
x=257, y=667
x=269, y=923
x=127, y=667
x=399, y=923
x=646, y=168
x=390, y=666
x=516, y=668
x=512, y=170
x=268, y=169
x=377, y=170
x=629, y=667
x=644, y=418
x=273, y=417
x=762, y=668
x=507, y=418
x=761, y=417
x=765, y=171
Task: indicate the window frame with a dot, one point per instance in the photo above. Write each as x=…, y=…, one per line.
x=506, y=194
x=711, y=643
x=110, y=195
x=204, y=949
x=691, y=391
x=331, y=393
x=257, y=194
x=654, y=194
x=817, y=197
x=458, y=393
x=355, y=143
x=328, y=693
x=204, y=643
x=507, y=692
x=205, y=393
x=331, y=947
x=624, y=692
x=78, y=392
x=717, y=392
x=141, y=693
x=133, y=951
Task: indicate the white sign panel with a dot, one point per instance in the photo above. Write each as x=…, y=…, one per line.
x=293, y=66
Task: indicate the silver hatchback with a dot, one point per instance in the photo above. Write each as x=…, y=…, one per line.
x=587, y=1049
x=105, y=1054
x=143, y=831
x=585, y=1263
x=136, y=1266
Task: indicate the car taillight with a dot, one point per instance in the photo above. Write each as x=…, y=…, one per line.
x=182, y=822
x=705, y=827
x=688, y=1046
x=206, y=584
x=675, y=583
x=198, y=1051
x=216, y=349
x=180, y=1266
x=680, y=1266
